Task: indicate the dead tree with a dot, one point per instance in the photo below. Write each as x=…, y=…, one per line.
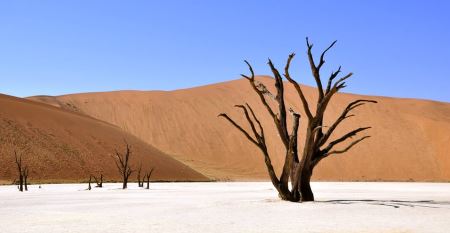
x=25, y=178
x=140, y=182
x=89, y=185
x=23, y=173
x=99, y=181
x=317, y=144
x=147, y=177
x=122, y=163
x=20, y=170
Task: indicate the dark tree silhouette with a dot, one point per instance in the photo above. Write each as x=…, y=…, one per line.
x=123, y=166
x=99, y=181
x=147, y=177
x=25, y=177
x=140, y=182
x=20, y=170
x=317, y=144
x=89, y=185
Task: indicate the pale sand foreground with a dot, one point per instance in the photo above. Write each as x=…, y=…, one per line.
x=226, y=207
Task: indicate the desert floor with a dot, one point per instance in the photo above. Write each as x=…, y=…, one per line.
x=226, y=207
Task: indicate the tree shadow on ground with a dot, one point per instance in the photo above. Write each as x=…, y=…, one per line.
x=394, y=203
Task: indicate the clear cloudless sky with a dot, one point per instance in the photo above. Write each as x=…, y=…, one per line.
x=395, y=48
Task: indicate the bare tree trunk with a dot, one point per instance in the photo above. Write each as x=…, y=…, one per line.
x=25, y=178
x=90, y=180
x=305, y=186
x=21, y=183
x=19, y=169
x=140, y=183
x=147, y=176
x=125, y=182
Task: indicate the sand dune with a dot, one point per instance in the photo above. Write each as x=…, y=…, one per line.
x=60, y=145
x=410, y=139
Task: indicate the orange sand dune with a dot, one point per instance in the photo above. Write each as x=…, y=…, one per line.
x=60, y=145
x=410, y=138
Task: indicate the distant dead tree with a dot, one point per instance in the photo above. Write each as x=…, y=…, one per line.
x=99, y=181
x=122, y=163
x=147, y=177
x=23, y=172
x=317, y=144
x=89, y=185
x=20, y=170
x=140, y=182
x=25, y=178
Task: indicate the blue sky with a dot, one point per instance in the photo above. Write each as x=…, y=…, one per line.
x=395, y=48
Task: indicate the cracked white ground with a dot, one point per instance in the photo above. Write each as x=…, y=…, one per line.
x=226, y=207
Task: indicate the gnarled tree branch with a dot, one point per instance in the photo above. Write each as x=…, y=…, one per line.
x=344, y=138
x=346, y=148
x=297, y=87
x=344, y=115
x=236, y=125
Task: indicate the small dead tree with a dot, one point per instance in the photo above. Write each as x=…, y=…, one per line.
x=147, y=177
x=25, y=178
x=20, y=170
x=122, y=163
x=89, y=185
x=140, y=182
x=317, y=144
x=99, y=182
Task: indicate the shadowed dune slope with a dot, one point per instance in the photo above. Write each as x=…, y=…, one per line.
x=410, y=138
x=60, y=145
